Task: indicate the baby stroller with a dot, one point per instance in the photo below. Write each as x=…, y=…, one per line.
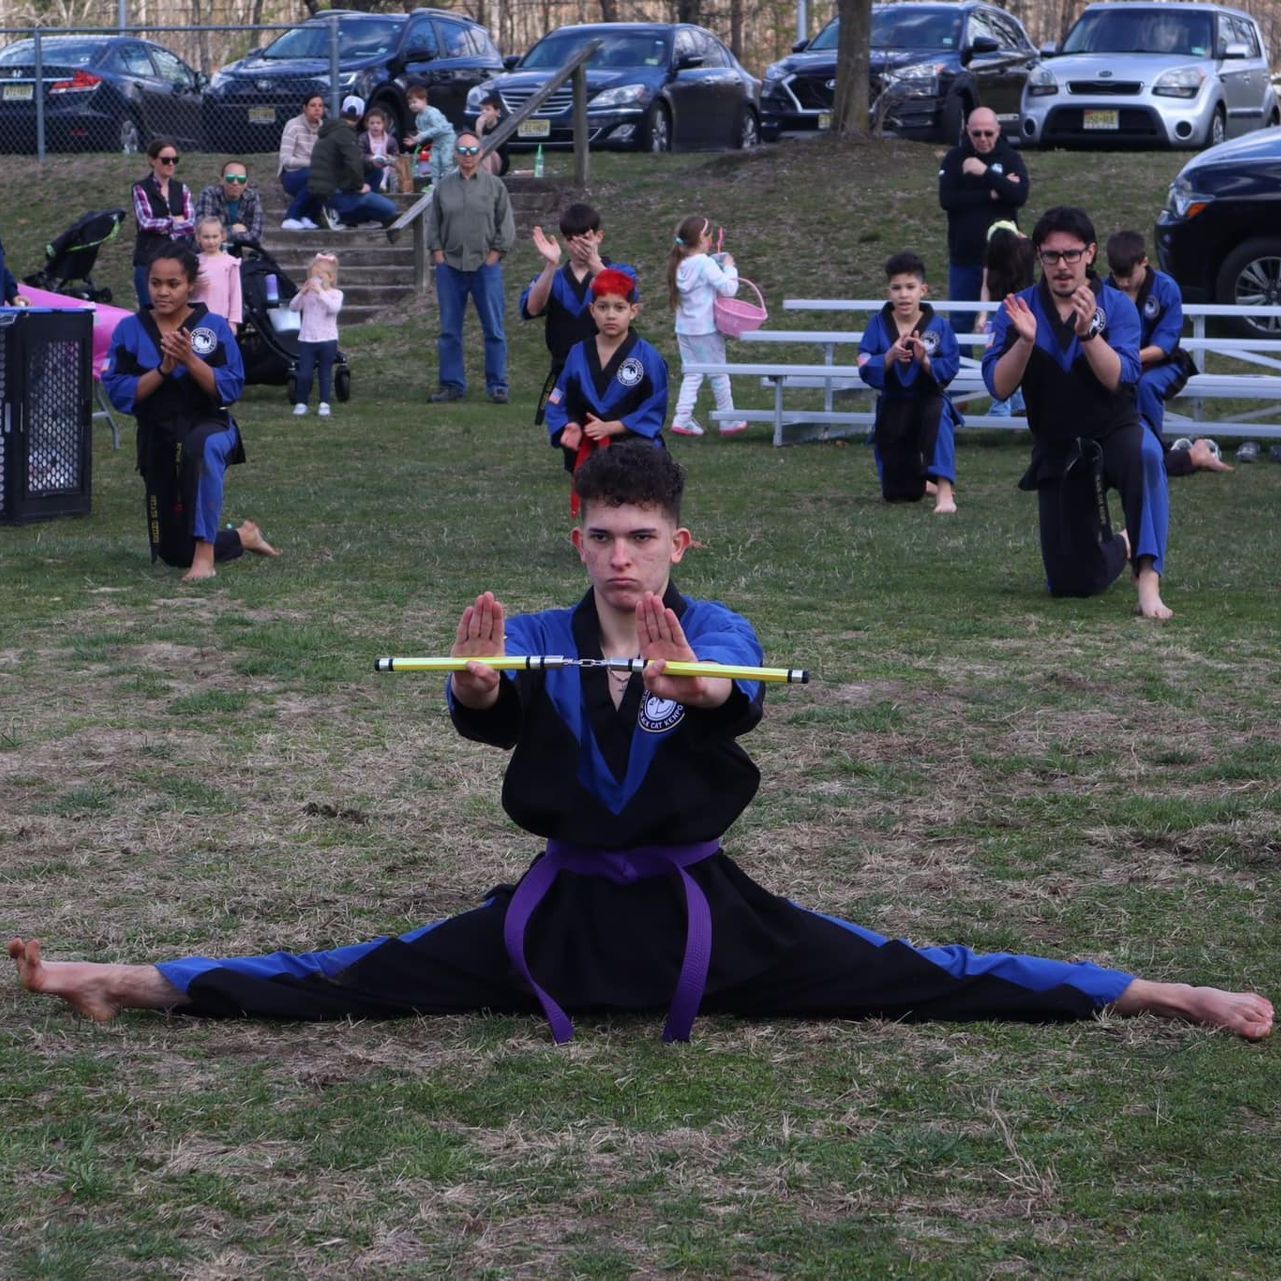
x=70, y=258
x=268, y=338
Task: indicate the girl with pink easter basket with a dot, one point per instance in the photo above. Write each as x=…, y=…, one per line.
x=699, y=287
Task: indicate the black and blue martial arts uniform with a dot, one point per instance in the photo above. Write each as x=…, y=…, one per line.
x=1086, y=439
x=914, y=437
x=633, y=905
x=186, y=439
x=567, y=319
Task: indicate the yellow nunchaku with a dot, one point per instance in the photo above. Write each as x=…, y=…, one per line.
x=554, y=662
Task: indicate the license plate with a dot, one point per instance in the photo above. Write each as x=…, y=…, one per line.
x=19, y=93
x=534, y=129
x=1101, y=120
x=262, y=115
x=825, y=120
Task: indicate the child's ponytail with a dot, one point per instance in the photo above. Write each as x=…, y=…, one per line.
x=689, y=232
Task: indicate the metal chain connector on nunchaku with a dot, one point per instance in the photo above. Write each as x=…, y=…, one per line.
x=554, y=662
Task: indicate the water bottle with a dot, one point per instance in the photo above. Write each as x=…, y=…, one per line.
x=538, y=161
x=423, y=168
x=273, y=289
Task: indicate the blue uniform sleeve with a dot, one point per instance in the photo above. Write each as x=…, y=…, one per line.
x=874, y=346
x=946, y=359
x=1124, y=334
x=1169, y=326
x=126, y=365
x=717, y=634
x=1000, y=337
x=557, y=412
x=648, y=417
x=500, y=725
x=524, y=301
x=226, y=362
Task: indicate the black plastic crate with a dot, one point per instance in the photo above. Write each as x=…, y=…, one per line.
x=46, y=403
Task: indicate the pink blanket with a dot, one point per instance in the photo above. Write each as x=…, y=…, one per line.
x=105, y=319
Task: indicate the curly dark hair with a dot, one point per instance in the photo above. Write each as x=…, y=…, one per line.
x=632, y=474
x=183, y=255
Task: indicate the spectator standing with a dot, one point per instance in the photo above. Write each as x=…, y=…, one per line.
x=296, y=145
x=431, y=129
x=163, y=209
x=983, y=180
x=319, y=301
x=218, y=276
x=337, y=177
x=234, y=203
x=470, y=228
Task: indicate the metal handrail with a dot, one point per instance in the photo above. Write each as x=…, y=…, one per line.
x=575, y=67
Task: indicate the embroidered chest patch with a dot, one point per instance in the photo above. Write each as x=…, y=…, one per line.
x=203, y=341
x=930, y=341
x=630, y=372
x=1152, y=307
x=657, y=715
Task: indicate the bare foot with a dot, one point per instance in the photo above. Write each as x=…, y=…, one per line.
x=81, y=984
x=251, y=539
x=945, y=502
x=1150, y=603
x=202, y=564
x=1245, y=1014
x=931, y=489
x=1205, y=459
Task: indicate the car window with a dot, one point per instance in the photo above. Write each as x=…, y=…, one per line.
x=686, y=45
x=617, y=49
x=907, y=27
x=361, y=38
x=420, y=38
x=714, y=54
x=1243, y=30
x=1142, y=30
x=132, y=60
x=64, y=53
x=453, y=40
x=1008, y=32
x=979, y=27
x=172, y=70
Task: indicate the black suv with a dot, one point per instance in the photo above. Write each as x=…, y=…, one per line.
x=1219, y=234
x=248, y=102
x=934, y=63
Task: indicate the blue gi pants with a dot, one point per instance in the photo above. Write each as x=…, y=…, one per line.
x=219, y=448
x=485, y=286
x=1154, y=389
x=964, y=282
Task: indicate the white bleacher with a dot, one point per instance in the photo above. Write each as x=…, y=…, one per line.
x=832, y=377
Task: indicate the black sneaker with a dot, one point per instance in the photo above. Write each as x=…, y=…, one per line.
x=444, y=395
x=499, y=396
x=1248, y=453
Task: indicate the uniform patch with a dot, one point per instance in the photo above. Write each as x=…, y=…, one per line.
x=203, y=341
x=555, y=397
x=657, y=715
x=630, y=372
x=1152, y=306
x=930, y=341
x=998, y=167
x=1100, y=321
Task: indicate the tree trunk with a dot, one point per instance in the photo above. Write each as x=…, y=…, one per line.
x=609, y=10
x=736, y=28
x=849, y=110
x=689, y=11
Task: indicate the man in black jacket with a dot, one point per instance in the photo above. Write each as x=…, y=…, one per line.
x=337, y=174
x=982, y=181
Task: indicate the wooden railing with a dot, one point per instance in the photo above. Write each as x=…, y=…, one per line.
x=576, y=67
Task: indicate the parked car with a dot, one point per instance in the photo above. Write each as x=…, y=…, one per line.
x=249, y=101
x=651, y=85
x=101, y=93
x=935, y=63
x=1219, y=234
x=1151, y=75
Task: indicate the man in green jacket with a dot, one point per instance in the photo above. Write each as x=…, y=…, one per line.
x=337, y=177
x=470, y=228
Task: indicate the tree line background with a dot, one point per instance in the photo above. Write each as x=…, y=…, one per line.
x=758, y=31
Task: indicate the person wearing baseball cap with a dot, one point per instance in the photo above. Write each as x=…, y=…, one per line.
x=337, y=177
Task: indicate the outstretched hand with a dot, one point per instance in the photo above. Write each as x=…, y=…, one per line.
x=661, y=638
x=548, y=246
x=480, y=635
x=1022, y=318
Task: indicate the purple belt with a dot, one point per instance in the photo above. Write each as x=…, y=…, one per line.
x=622, y=867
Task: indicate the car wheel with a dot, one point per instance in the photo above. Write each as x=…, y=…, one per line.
x=291, y=388
x=658, y=128
x=749, y=131
x=952, y=121
x=1218, y=128
x=1251, y=277
x=128, y=136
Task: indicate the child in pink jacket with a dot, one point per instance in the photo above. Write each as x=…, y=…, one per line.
x=218, y=282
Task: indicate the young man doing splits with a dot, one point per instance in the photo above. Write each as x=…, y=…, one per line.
x=1072, y=344
x=630, y=780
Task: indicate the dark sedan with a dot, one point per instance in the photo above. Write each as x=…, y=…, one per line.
x=1219, y=234
x=934, y=63
x=650, y=86
x=108, y=93
x=249, y=101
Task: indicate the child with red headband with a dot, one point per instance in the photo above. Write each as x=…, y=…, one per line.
x=614, y=384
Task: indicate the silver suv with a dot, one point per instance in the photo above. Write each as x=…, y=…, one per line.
x=1151, y=75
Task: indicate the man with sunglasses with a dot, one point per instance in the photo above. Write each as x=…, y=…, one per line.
x=1071, y=343
x=983, y=180
x=234, y=203
x=470, y=228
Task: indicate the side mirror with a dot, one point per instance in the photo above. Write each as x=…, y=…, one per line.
x=800, y=46
x=510, y=61
x=202, y=82
x=980, y=45
x=418, y=55
x=1235, y=50
x=689, y=60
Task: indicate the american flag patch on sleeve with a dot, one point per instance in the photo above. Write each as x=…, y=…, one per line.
x=554, y=398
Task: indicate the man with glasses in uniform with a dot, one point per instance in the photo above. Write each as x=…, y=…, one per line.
x=234, y=203
x=1071, y=343
x=983, y=180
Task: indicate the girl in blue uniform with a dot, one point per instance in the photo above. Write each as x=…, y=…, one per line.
x=175, y=366
x=909, y=355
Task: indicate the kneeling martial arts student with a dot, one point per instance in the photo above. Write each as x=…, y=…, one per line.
x=628, y=780
x=613, y=385
x=1166, y=366
x=1072, y=343
x=909, y=355
x=175, y=366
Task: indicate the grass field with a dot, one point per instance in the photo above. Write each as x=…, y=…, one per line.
x=217, y=770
